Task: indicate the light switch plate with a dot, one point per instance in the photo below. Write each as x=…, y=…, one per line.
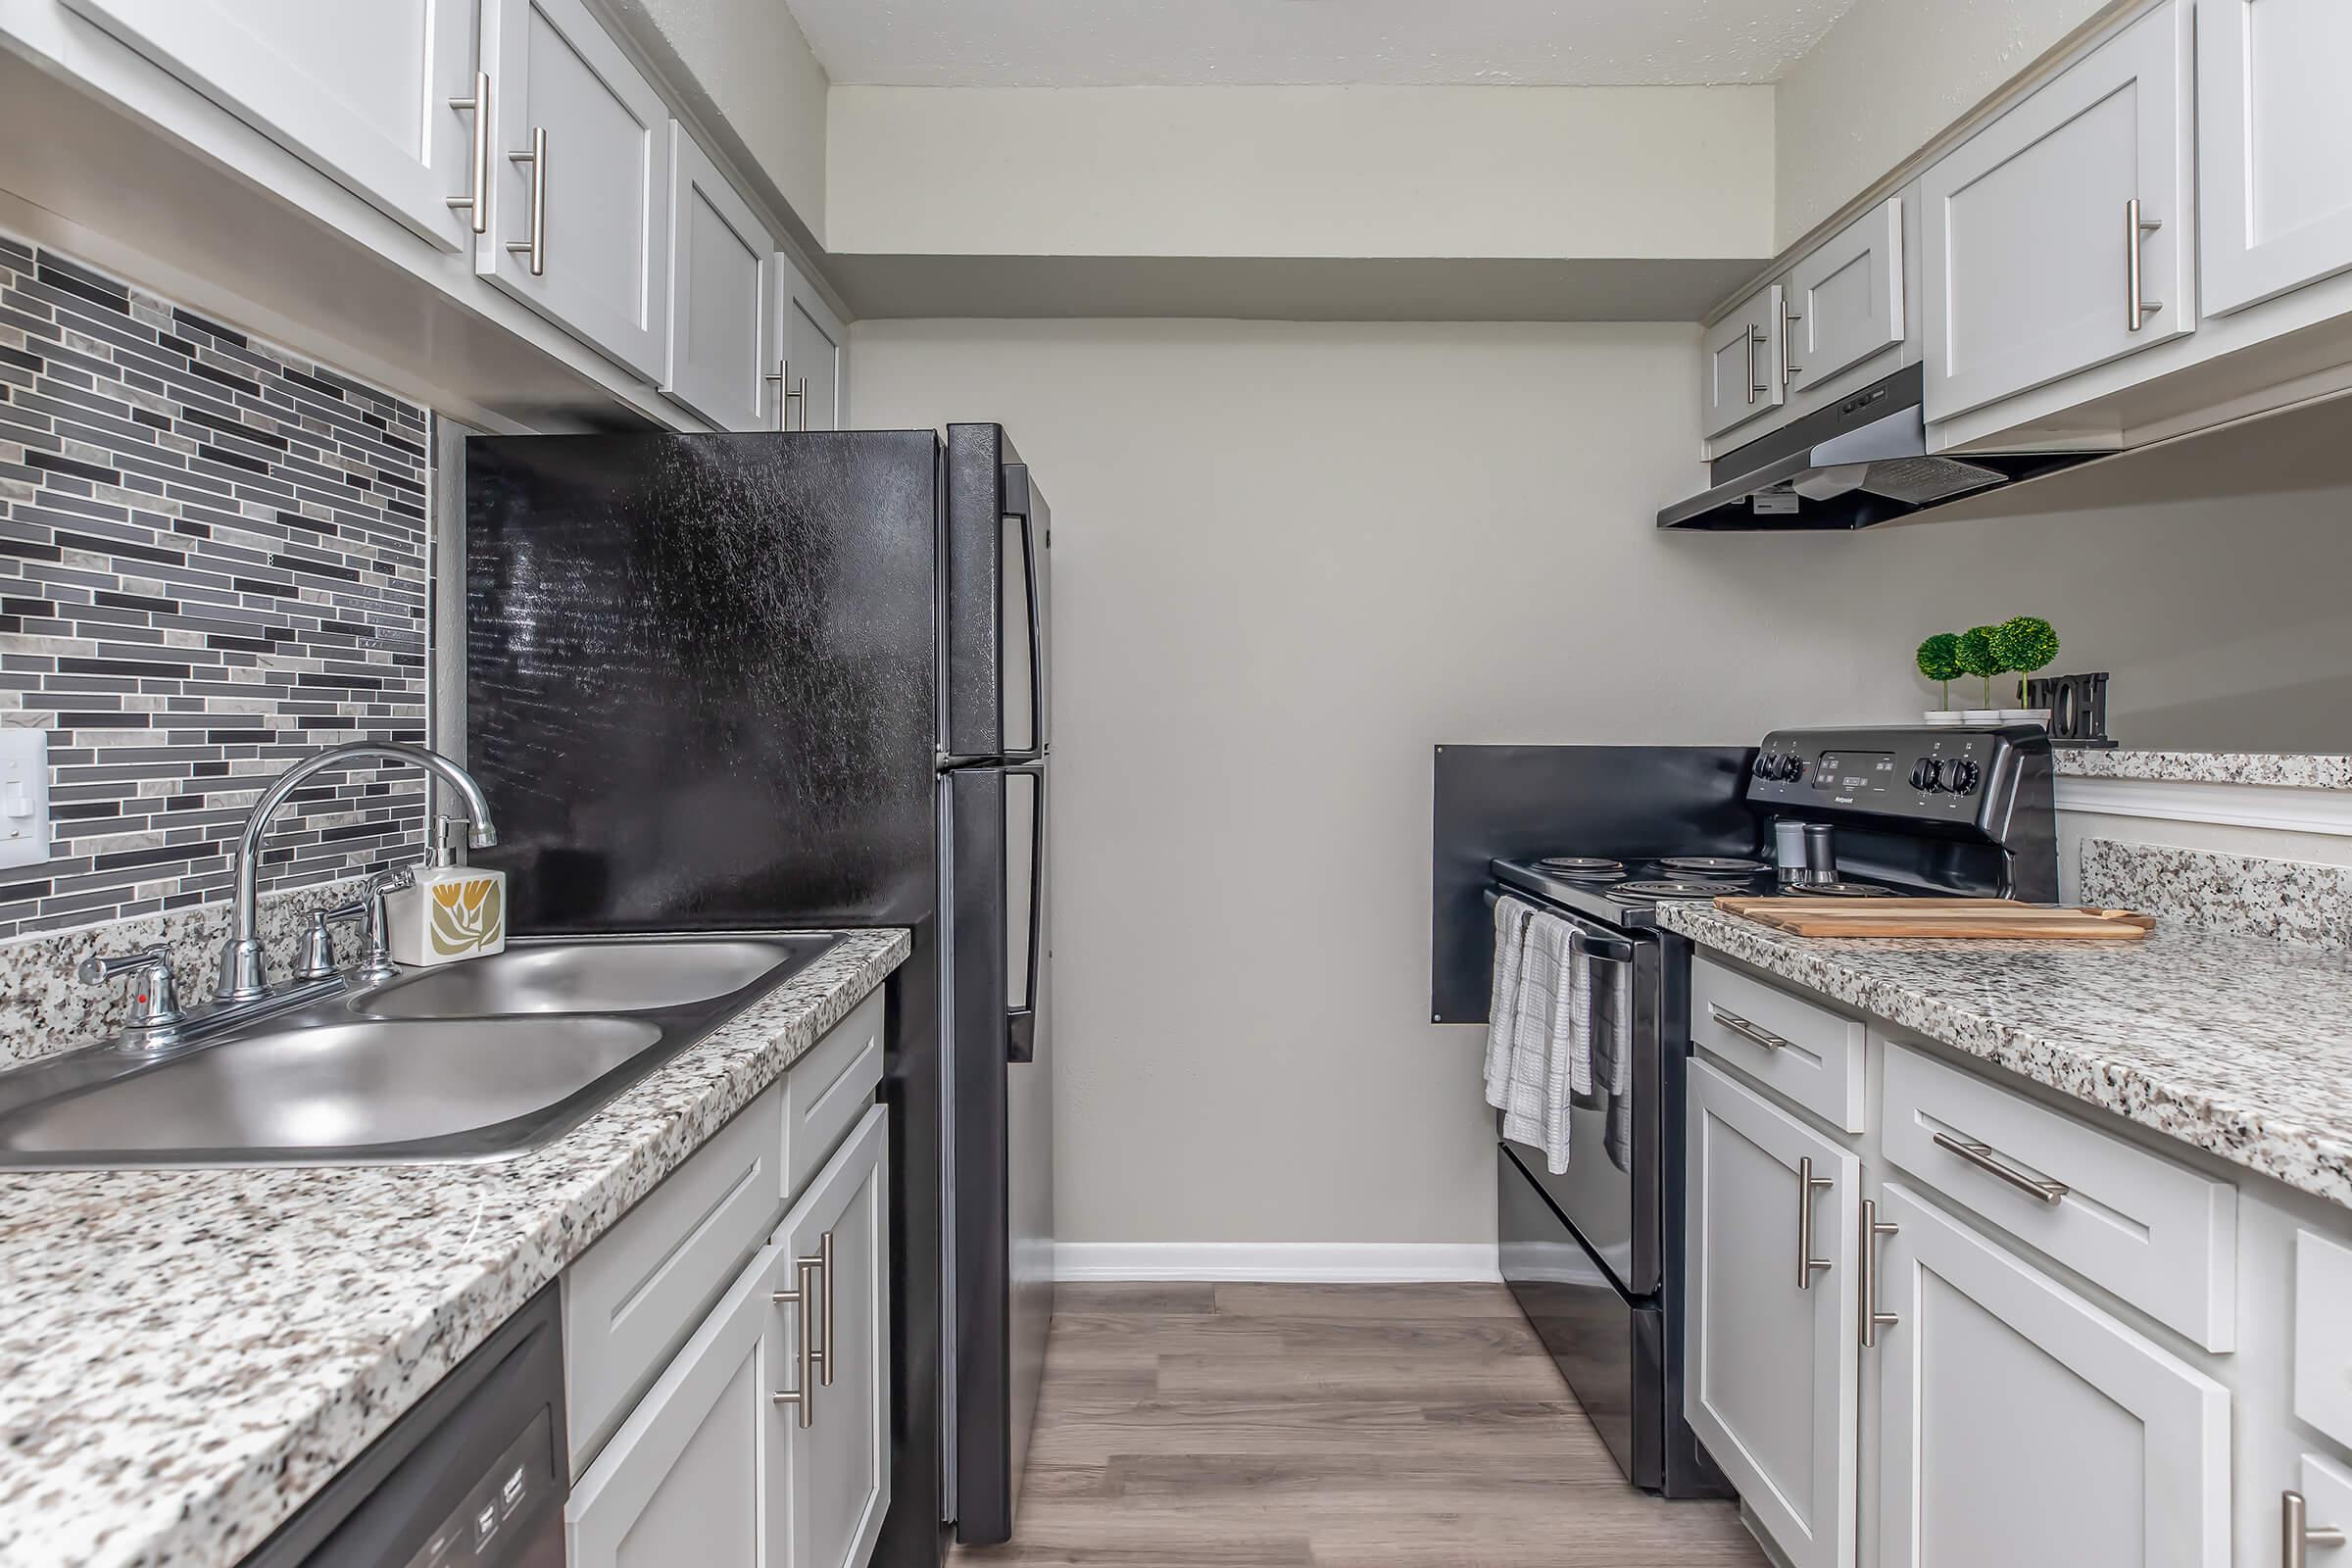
x=24, y=796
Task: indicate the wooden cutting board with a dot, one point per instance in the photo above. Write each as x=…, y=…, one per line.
x=1955, y=918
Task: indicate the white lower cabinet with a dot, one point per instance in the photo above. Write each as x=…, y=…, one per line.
x=832, y=1466
x=766, y=1441
x=1771, y=1353
x=2020, y=1425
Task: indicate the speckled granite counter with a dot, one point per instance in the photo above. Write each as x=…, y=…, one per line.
x=2304, y=770
x=2239, y=1046
x=186, y=1355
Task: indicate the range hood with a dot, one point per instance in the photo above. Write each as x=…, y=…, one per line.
x=1862, y=462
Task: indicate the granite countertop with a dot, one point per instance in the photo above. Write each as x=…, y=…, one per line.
x=2239, y=1046
x=2308, y=771
x=185, y=1356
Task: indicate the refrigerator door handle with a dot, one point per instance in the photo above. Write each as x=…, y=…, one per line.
x=1020, y=501
x=1020, y=1022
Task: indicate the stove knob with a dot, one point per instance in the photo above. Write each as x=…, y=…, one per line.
x=1792, y=770
x=1766, y=764
x=1964, y=776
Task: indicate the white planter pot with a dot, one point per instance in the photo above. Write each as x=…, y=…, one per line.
x=1980, y=716
x=1942, y=717
x=2026, y=715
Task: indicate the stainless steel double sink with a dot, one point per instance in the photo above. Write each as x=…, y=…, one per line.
x=479, y=1059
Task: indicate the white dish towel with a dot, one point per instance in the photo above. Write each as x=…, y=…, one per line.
x=1540, y=1030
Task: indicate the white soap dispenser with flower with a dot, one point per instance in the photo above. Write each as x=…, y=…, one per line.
x=451, y=911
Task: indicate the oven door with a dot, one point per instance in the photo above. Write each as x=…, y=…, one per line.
x=1610, y=1192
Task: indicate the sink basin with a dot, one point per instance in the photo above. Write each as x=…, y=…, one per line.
x=473, y=1060
x=348, y=1087
x=635, y=975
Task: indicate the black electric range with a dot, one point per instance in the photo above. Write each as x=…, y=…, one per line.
x=1594, y=1254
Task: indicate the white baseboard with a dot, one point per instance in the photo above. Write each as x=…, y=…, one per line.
x=1280, y=1262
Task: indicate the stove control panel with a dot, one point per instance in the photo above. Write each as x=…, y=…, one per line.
x=1966, y=775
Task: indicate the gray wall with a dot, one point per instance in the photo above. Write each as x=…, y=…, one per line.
x=1289, y=559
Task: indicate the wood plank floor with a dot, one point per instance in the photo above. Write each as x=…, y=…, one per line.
x=1276, y=1426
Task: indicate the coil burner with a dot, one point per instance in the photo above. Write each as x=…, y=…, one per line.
x=1580, y=866
x=1711, y=864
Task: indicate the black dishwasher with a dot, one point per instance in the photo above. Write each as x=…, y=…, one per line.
x=472, y=1477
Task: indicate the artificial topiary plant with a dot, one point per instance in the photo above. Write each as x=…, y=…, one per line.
x=2025, y=644
x=1976, y=656
x=1940, y=661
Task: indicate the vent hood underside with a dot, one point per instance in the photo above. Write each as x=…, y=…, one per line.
x=1861, y=462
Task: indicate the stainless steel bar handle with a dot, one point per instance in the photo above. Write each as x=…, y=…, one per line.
x=1745, y=1030
x=477, y=205
x=2297, y=1535
x=1789, y=318
x=1807, y=1184
x=1986, y=1160
x=783, y=398
x=536, y=246
x=824, y=1265
x=2136, y=230
x=1755, y=388
x=1873, y=1228
x=803, y=1296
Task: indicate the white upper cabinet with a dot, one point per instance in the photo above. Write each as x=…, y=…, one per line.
x=2020, y=1425
x=579, y=223
x=1770, y=1346
x=2275, y=146
x=361, y=91
x=813, y=362
x=1845, y=300
x=1741, y=365
x=720, y=314
x=2059, y=236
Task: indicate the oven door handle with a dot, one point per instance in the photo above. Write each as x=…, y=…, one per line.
x=1598, y=943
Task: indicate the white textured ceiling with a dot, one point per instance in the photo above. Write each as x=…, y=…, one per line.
x=1122, y=43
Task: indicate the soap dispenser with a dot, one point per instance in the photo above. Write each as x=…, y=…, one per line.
x=451, y=911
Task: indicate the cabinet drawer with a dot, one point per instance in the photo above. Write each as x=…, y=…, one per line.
x=827, y=1090
x=2160, y=1235
x=1781, y=1040
x=633, y=1298
x=2323, y=1336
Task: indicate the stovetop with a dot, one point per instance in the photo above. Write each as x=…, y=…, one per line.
x=1627, y=892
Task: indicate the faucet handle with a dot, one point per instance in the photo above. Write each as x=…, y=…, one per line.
x=155, y=1003
x=318, y=942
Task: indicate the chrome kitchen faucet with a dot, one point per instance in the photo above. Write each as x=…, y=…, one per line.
x=244, y=965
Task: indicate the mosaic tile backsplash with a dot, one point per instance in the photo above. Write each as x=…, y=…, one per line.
x=212, y=563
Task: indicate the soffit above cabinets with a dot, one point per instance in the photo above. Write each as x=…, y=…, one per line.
x=1131, y=44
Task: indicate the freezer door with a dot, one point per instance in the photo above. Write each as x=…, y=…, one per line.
x=700, y=677
x=1001, y=1193
x=997, y=589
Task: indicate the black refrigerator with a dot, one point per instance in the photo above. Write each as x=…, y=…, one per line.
x=740, y=682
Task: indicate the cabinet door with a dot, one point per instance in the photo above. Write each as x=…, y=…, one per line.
x=582, y=237
x=1741, y=368
x=1770, y=1342
x=833, y=1473
x=2020, y=1425
x=814, y=360
x=720, y=314
x=2058, y=237
x=2274, y=145
x=1845, y=300
x=685, y=1478
x=361, y=91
